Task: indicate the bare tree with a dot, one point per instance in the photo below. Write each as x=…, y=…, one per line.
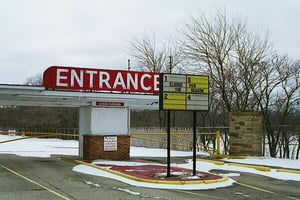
x=151, y=55
x=35, y=80
x=156, y=56
x=228, y=52
x=244, y=72
x=275, y=91
x=285, y=103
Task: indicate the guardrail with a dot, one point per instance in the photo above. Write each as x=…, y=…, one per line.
x=34, y=135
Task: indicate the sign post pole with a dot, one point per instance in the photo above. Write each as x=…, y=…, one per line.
x=169, y=143
x=194, y=141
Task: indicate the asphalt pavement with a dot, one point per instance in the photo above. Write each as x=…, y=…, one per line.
x=52, y=178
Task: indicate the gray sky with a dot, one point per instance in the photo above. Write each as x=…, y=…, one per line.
x=36, y=34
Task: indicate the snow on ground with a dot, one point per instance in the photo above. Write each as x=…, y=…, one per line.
x=36, y=147
x=46, y=147
x=150, y=152
x=206, y=167
x=278, y=162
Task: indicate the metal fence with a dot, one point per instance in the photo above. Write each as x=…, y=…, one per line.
x=204, y=140
x=155, y=137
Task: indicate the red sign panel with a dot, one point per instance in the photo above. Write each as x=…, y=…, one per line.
x=100, y=79
x=110, y=104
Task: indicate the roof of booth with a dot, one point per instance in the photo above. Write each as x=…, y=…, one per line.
x=26, y=95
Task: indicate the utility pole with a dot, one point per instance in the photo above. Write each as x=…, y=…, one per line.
x=170, y=64
x=128, y=64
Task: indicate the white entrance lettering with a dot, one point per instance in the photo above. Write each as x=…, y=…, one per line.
x=131, y=81
x=143, y=81
x=91, y=76
x=156, y=82
x=119, y=81
x=60, y=77
x=74, y=76
x=104, y=80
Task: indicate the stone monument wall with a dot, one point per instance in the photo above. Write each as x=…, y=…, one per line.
x=245, y=133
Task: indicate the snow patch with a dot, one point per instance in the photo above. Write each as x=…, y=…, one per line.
x=152, y=152
x=36, y=147
x=278, y=162
x=206, y=167
x=230, y=174
x=93, y=184
x=128, y=191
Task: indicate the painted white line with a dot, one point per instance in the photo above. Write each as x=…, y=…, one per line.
x=264, y=190
x=198, y=194
x=36, y=183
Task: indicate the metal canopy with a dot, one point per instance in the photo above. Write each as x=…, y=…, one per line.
x=24, y=95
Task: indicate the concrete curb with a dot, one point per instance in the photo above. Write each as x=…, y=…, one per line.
x=227, y=156
x=153, y=181
x=259, y=168
x=288, y=171
x=212, y=161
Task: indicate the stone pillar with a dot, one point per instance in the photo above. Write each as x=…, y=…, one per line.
x=104, y=133
x=246, y=133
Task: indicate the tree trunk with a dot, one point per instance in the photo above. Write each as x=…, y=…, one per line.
x=298, y=150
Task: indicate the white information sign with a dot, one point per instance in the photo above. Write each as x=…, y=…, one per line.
x=110, y=143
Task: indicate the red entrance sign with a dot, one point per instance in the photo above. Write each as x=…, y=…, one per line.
x=59, y=77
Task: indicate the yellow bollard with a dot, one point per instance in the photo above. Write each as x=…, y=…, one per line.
x=218, y=140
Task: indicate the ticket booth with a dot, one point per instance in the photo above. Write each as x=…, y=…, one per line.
x=104, y=131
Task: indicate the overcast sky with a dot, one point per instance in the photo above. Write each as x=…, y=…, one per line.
x=36, y=34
